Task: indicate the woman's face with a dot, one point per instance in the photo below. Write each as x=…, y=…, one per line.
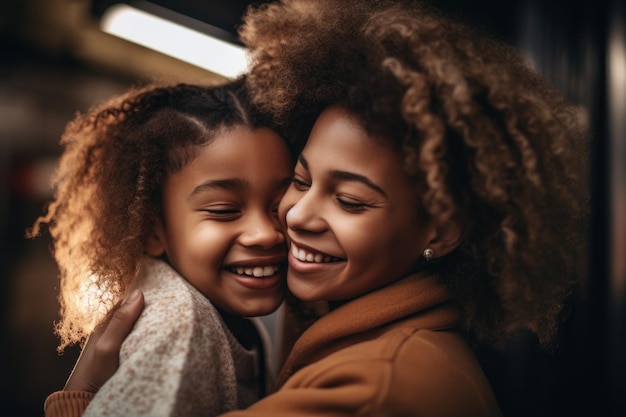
x=353, y=216
x=220, y=227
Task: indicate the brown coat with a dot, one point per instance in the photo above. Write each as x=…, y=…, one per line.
x=393, y=352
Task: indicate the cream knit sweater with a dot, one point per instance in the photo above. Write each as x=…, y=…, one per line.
x=179, y=359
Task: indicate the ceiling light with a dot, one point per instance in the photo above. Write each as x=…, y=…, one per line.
x=178, y=41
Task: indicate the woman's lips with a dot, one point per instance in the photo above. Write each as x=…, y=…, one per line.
x=310, y=256
x=304, y=260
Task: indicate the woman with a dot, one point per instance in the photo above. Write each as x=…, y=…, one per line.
x=438, y=203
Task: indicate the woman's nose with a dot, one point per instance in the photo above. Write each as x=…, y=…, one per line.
x=305, y=215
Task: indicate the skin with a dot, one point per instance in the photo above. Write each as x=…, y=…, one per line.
x=350, y=205
x=220, y=227
x=353, y=215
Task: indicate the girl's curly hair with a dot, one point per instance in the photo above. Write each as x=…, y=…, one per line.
x=497, y=148
x=108, y=182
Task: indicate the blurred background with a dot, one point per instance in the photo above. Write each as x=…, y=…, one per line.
x=58, y=58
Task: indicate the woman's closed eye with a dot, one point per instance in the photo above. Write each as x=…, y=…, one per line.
x=300, y=184
x=351, y=204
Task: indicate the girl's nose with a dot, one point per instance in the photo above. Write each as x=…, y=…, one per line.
x=262, y=231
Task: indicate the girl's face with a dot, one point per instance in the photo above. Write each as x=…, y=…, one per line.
x=220, y=228
x=352, y=214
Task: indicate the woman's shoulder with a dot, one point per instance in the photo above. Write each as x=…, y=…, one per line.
x=431, y=364
x=446, y=350
x=425, y=372
x=406, y=343
x=433, y=371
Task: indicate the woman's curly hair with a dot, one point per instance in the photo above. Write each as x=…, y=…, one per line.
x=108, y=187
x=497, y=148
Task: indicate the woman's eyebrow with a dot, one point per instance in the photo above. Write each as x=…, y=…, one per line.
x=351, y=176
x=303, y=161
x=347, y=176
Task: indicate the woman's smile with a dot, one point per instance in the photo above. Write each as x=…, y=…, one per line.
x=304, y=254
x=349, y=198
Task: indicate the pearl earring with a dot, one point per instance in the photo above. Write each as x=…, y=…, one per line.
x=428, y=254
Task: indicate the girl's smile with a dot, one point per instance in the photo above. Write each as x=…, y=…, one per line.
x=220, y=228
x=258, y=273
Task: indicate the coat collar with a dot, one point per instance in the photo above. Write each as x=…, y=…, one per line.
x=418, y=301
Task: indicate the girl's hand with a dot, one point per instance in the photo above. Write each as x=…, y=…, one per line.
x=99, y=358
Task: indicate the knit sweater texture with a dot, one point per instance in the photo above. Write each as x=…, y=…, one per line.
x=179, y=360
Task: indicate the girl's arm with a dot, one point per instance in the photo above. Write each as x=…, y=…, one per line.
x=98, y=360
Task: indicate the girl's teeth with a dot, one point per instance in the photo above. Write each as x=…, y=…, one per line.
x=257, y=271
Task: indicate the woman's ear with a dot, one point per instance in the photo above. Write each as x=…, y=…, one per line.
x=155, y=242
x=447, y=237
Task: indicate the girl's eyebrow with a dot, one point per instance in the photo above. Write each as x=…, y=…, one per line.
x=234, y=184
x=347, y=176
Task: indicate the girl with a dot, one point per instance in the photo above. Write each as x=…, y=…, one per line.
x=173, y=190
x=437, y=204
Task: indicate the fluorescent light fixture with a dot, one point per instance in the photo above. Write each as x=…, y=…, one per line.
x=169, y=38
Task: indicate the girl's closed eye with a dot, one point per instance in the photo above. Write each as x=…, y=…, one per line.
x=222, y=212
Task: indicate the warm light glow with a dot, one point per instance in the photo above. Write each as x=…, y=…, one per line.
x=94, y=300
x=177, y=41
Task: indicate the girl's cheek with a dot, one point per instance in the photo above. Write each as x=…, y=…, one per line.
x=284, y=207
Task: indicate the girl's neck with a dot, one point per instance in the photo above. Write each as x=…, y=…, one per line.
x=244, y=331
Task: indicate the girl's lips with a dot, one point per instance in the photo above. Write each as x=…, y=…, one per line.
x=263, y=282
x=258, y=273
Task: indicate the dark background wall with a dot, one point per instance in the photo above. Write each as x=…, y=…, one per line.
x=55, y=62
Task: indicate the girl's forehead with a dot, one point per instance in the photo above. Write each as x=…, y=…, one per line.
x=239, y=152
